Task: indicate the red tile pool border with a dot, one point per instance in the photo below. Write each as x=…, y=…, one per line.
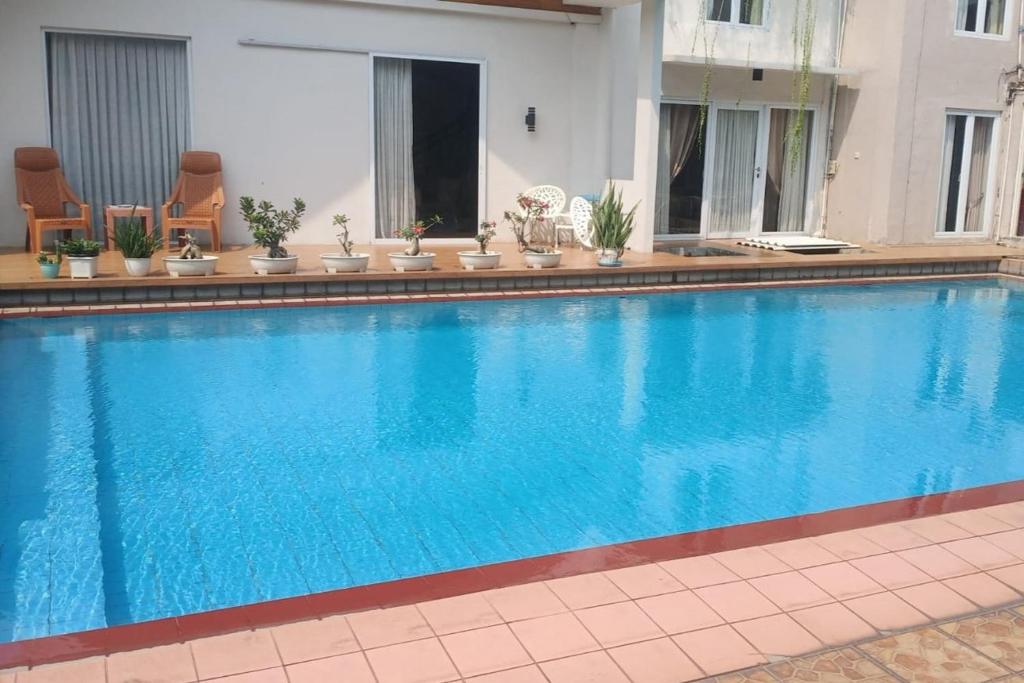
x=407, y=591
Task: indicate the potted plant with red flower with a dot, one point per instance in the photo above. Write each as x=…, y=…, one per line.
x=481, y=259
x=413, y=258
x=530, y=211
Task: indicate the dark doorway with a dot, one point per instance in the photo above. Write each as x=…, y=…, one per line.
x=445, y=149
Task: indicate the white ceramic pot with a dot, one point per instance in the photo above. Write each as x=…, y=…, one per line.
x=404, y=263
x=608, y=258
x=138, y=267
x=535, y=260
x=339, y=263
x=264, y=265
x=83, y=266
x=186, y=267
x=474, y=260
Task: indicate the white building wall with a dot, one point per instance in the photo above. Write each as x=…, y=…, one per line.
x=296, y=123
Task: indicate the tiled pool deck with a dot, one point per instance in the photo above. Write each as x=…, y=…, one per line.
x=929, y=599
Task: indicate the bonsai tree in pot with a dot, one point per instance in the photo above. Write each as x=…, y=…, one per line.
x=413, y=258
x=270, y=227
x=190, y=260
x=49, y=264
x=611, y=227
x=136, y=245
x=521, y=222
x=481, y=258
x=83, y=256
x=346, y=261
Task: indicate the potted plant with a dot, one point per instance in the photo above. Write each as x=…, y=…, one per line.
x=270, y=227
x=481, y=259
x=530, y=211
x=346, y=261
x=83, y=257
x=137, y=246
x=190, y=260
x=49, y=264
x=610, y=228
x=412, y=258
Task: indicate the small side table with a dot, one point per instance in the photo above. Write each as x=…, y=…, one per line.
x=123, y=211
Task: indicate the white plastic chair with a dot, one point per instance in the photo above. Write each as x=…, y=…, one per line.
x=554, y=197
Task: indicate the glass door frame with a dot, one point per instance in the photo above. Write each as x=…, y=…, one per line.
x=760, y=157
x=965, y=164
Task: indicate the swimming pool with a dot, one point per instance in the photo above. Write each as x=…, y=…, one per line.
x=157, y=465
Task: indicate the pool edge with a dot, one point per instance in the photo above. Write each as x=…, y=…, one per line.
x=104, y=641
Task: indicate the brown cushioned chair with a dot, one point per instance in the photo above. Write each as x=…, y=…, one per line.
x=42, y=193
x=200, y=191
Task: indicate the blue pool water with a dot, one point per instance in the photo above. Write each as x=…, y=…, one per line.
x=156, y=465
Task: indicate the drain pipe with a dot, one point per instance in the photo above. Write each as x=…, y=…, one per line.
x=832, y=102
x=1015, y=88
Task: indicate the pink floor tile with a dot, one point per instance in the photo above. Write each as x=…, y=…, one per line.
x=718, y=650
x=801, y=553
x=736, y=601
x=936, y=529
x=1012, y=576
x=419, y=661
x=525, y=601
x=644, y=580
x=698, y=572
x=167, y=663
x=460, y=613
x=891, y=570
x=980, y=553
x=1010, y=541
x=89, y=670
x=524, y=674
x=1009, y=513
x=937, y=562
x=485, y=650
x=833, y=624
x=778, y=636
x=593, y=667
x=553, y=637
x=842, y=580
x=983, y=590
x=586, y=590
x=276, y=675
x=893, y=537
x=886, y=612
x=655, y=661
x=351, y=668
x=234, y=653
x=313, y=639
x=936, y=600
x=790, y=591
x=750, y=562
x=380, y=627
x=619, y=624
x=978, y=522
x=679, y=612
x=849, y=545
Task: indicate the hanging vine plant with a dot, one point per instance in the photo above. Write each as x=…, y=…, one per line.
x=704, y=100
x=803, y=47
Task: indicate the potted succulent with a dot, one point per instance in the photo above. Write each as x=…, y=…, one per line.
x=530, y=211
x=190, y=260
x=346, y=261
x=137, y=246
x=49, y=264
x=481, y=259
x=270, y=227
x=610, y=228
x=83, y=257
x=412, y=258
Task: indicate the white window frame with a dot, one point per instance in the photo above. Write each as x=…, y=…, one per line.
x=980, y=21
x=734, y=15
x=965, y=175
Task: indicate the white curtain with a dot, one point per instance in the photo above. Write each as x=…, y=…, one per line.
x=395, y=187
x=793, y=191
x=978, y=180
x=995, y=12
x=119, y=111
x=733, y=177
x=677, y=137
x=961, y=14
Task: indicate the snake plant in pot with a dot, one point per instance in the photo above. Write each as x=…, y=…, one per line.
x=611, y=227
x=137, y=246
x=270, y=227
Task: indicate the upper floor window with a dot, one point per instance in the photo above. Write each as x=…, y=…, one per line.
x=749, y=12
x=981, y=17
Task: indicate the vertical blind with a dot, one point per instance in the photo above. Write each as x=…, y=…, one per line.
x=119, y=116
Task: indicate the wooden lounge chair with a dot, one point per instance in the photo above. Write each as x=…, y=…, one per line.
x=42, y=193
x=200, y=191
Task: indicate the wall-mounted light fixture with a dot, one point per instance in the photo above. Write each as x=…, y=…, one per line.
x=531, y=119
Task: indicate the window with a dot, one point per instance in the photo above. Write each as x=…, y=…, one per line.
x=966, y=173
x=981, y=17
x=749, y=12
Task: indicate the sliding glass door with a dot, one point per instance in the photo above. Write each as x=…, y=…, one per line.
x=680, y=186
x=734, y=201
x=966, y=173
x=787, y=170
